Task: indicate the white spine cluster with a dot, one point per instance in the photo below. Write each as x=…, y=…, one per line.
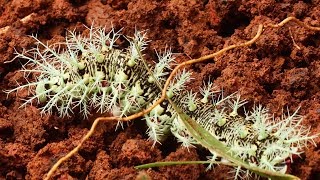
x=91, y=75
x=257, y=137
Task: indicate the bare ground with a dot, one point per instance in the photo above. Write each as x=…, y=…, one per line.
x=282, y=69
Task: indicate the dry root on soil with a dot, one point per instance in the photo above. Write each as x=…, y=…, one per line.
x=260, y=30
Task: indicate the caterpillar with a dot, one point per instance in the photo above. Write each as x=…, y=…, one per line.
x=91, y=75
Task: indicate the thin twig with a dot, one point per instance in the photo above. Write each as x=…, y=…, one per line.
x=24, y=20
x=294, y=42
x=164, y=90
x=300, y=23
x=145, y=111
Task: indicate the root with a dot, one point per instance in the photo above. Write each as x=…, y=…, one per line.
x=260, y=30
x=24, y=20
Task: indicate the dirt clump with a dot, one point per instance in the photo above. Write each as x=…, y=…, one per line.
x=280, y=70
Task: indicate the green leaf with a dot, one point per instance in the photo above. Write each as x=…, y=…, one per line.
x=170, y=163
x=211, y=143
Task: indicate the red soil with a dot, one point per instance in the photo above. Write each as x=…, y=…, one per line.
x=282, y=69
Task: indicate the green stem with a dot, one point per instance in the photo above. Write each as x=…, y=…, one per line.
x=173, y=163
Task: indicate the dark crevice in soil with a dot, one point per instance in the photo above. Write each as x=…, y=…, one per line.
x=313, y=40
x=308, y=1
x=45, y=31
x=231, y=22
x=269, y=87
x=55, y=135
x=77, y=3
x=7, y=102
x=169, y=23
x=170, y=145
x=302, y=64
x=314, y=175
x=205, y=2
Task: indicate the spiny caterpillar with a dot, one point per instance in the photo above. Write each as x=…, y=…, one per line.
x=92, y=75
